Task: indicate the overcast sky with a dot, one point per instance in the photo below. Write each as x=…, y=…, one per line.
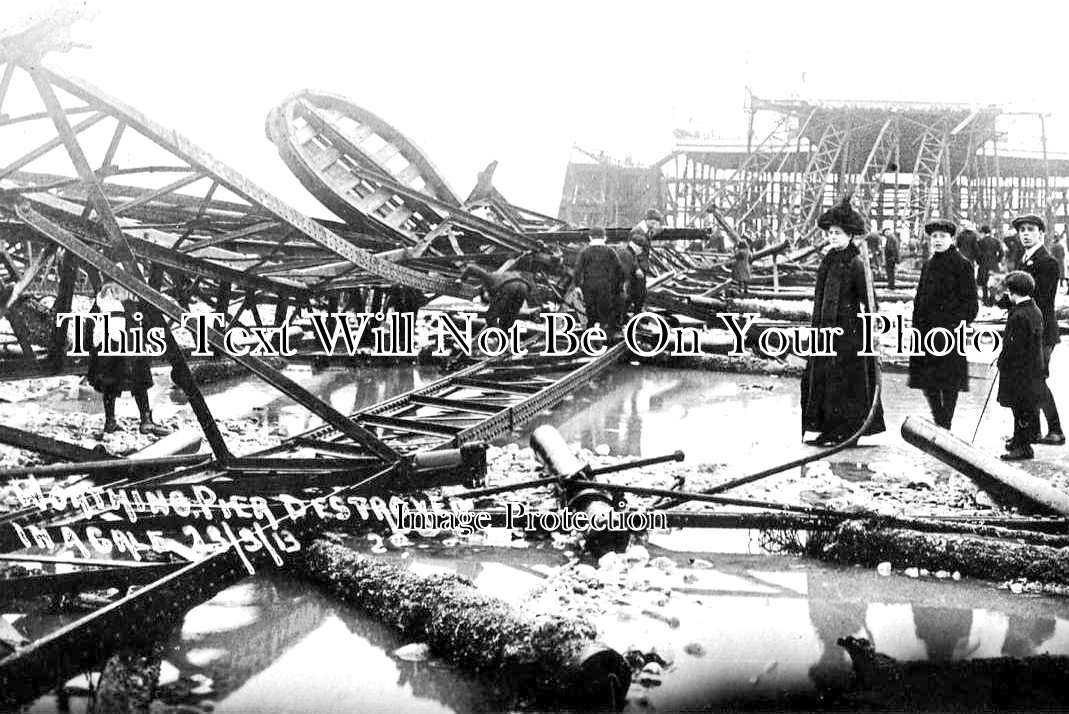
x=470, y=82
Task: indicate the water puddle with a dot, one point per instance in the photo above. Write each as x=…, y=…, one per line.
x=732, y=629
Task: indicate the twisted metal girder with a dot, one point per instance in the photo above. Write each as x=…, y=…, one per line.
x=255, y=211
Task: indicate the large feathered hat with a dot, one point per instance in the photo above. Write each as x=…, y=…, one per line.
x=844, y=216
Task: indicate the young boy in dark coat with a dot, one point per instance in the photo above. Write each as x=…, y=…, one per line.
x=837, y=391
x=946, y=296
x=1022, y=369
x=110, y=374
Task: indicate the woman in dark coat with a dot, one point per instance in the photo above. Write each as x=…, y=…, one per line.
x=838, y=391
x=946, y=296
x=111, y=375
x=740, y=272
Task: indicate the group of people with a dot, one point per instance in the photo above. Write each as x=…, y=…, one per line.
x=839, y=392
x=612, y=277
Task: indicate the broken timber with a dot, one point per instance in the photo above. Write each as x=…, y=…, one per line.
x=999, y=478
x=80, y=644
x=198, y=166
x=554, y=656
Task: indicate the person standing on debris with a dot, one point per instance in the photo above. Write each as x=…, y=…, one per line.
x=111, y=375
x=758, y=243
x=740, y=271
x=505, y=292
x=989, y=256
x=402, y=298
x=640, y=238
x=1043, y=268
x=839, y=390
x=629, y=262
x=1057, y=249
x=890, y=255
x=946, y=297
x=926, y=249
x=600, y=275
x=968, y=241
x=1014, y=250
x=1022, y=368
x=872, y=242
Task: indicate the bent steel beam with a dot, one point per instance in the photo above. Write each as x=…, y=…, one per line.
x=168, y=308
x=261, y=202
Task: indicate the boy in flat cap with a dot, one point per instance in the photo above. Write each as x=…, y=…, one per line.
x=946, y=296
x=838, y=391
x=1043, y=269
x=1022, y=368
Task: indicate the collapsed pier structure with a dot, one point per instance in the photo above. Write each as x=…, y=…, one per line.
x=904, y=162
x=92, y=190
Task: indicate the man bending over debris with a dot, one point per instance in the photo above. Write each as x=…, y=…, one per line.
x=639, y=239
x=506, y=292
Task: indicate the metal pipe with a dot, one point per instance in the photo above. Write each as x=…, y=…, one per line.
x=987, y=471
x=638, y=463
x=684, y=496
x=110, y=466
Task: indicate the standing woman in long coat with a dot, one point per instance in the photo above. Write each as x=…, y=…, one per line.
x=946, y=296
x=740, y=271
x=838, y=391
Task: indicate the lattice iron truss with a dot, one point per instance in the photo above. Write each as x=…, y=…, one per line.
x=904, y=163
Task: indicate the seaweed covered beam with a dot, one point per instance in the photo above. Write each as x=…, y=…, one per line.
x=865, y=543
x=545, y=659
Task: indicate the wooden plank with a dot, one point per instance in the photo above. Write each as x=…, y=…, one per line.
x=81, y=581
x=326, y=158
x=48, y=446
x=490, y=385
x=409, y=425
x=385, y=154
x=410, y=172
x=371, y=203
x=398, y=217
x=458, y=404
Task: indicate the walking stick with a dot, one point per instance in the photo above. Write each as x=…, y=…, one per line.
x=990, y=391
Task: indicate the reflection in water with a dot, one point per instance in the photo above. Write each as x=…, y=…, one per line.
x=1025, y=637
x=944, y=631
x=641, y=411
x=831, y=620
x=345, y=389
x=751, y=630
